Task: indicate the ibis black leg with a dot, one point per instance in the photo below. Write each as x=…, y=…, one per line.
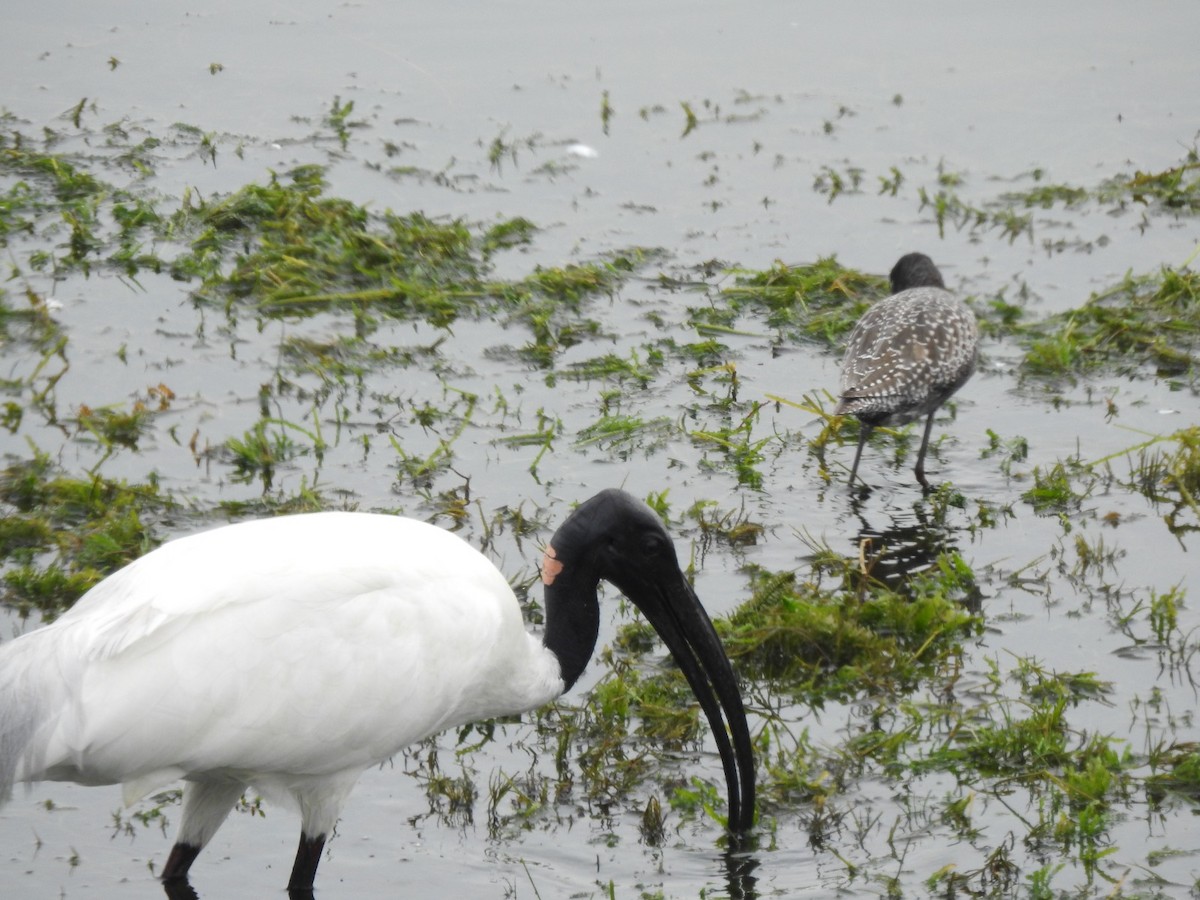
x=181, y=859
x=920, y=469
x=179, y=889
x=308, y=856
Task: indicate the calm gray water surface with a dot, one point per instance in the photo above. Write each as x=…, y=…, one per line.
x=1082, y=91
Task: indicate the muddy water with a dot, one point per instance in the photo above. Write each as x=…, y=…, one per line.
x=782, y=92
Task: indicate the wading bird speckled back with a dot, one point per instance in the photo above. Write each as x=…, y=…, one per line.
x=907, y=355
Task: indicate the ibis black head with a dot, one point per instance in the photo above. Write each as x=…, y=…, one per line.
x=915, y=270
x=619, y=539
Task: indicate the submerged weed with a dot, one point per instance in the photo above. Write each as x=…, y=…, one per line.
x=61, y=535
x=741, y=451
x=1166, y=470
x=819, y=302
x=819, y=646
x=624, y=434
x=1054, y=490
x=1148, y=321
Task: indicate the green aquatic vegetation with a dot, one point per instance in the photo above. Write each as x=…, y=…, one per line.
x=1044, y=685
x=625, y=433
x=694, y=798
x=505, y=235
x=1151, y=619
x=305, y=498
x=831, y=183
x=140, y=158
x=548, y=428
x=1054, y=489
x=890, y=184
x=444, y=422
x=452, y=798
x=571, y=284
x=1166, y=470
x=819, y=302
x=54, y=199
x=658, y=708
x=598, y=761
x=61, y=535
x=1030, y=739
x=112, y=427
x=550, y=336
x=346, y=360
x=719, y=384
x=267, y=446
x=297, y=252
x=523, y=797
x=606, y=112
x=711, y=354
x=997, y=315
x=30, y=324
x=742, y=452
x=502, y=148
x=949, y=208
x=631, y=735
x=311, y=253
x=718, y=317
x=1045, y=196
x=1164, y=614
x=818, y=404
x=66, y=179
x=1059, y=783
x=731, y=527
x=821, y=646
x=691, y=121
x=1007, y=451
x=627, y=370
x=339, y=122
x=1177, y=771
x=793, y=773
x=1146, y=321
x=1176, y=188
x=550, y=301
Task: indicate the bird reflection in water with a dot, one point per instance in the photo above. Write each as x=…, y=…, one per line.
x=740, y=863
x=179, y=890
x=909, y=546
x=182, y=890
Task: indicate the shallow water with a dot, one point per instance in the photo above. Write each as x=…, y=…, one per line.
x=782, y=91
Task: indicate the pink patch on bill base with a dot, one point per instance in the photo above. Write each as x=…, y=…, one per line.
x=550, y=566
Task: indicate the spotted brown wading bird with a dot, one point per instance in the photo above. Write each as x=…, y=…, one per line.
x=907, y=355
x=290, y=654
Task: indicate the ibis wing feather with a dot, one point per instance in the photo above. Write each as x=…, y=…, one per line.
x=289, y=646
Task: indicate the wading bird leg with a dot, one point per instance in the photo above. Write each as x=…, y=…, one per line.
x=920, y=469
x=308, y=856
x=179, y=861
x=864, y=432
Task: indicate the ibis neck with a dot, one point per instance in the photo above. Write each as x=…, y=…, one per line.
x=572, y=622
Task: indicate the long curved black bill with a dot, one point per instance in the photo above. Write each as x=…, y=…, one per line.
x=688, y=632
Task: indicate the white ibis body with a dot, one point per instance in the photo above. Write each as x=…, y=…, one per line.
x=907, y=355
x=290, y=654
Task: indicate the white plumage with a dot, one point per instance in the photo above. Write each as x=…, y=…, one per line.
x=288, y=654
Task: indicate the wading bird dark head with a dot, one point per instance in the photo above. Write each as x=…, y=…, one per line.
x=617, y=538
